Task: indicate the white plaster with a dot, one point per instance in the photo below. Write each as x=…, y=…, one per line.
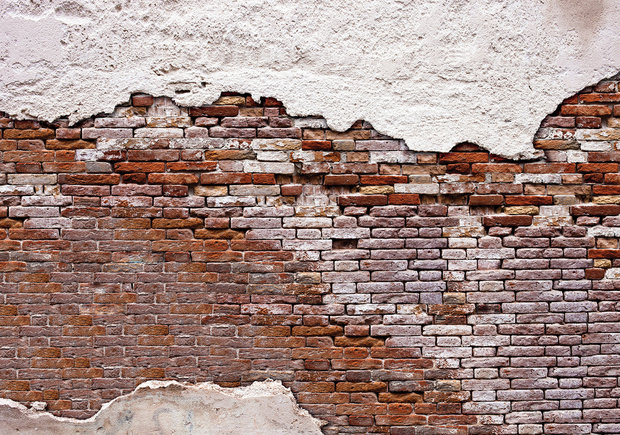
x=433, y=72
x=169, y=407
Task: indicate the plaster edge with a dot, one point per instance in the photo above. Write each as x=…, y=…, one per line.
x=258, y=389
x=292, y=109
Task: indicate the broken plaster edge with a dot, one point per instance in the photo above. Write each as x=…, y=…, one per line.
x=266, y=388
x=296, y=109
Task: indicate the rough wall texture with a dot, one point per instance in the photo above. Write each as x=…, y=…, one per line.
x=392, y=291
x=433, y=72
x=168, y=407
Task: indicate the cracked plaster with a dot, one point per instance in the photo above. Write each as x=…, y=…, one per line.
x=434, y=73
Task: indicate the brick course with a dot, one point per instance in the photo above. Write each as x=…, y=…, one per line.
x=392, y=291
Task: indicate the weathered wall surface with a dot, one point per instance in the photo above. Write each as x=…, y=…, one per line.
x=434, y=72
x=158, y=407
x=390, y=290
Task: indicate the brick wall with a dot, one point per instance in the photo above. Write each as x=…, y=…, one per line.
x=392, y=291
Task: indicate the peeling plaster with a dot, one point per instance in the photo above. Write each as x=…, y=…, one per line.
x=434, y=73
x=169, y=407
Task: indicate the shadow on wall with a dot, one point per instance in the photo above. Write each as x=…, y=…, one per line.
x=390, y=290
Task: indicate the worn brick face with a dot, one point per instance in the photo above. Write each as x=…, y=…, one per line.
x=392, y=291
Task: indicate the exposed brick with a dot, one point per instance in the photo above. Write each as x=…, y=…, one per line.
x=316, y=145
x=486, y=199
x=595, y=210
x=341, y=180
x=214, y=111
x=392, y=291
x=507, y=221
x=363, y=200
x=142, y=100
x=604, y=253
x=496, y=167
x=404, y=198
x=173, y=178
x=588, y=122
x=89, y=179
x=559, y=121
x=585, y=110
x=291, y=189
x=226, y=178
x=40, y=133
x=456, y=157
x=528, y=200
x=383, y=179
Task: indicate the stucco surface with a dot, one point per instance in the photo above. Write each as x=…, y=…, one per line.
x=158, y=407
x=434, y=73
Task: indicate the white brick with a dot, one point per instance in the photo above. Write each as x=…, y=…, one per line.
x=306, y=222
x=32, y=179
x=158, y=132
x=426, y=189
x=269, y=167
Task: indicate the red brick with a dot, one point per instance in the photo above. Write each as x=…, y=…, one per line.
x=559, y=121
x=226, y=178
x=53, y=144
x=316, y=145
x=214, y=111
x=595, y=273
x=89, y=178
x=600, y=98
x=507, y=221
x=361, y=386
x=39, y=133
x=588, y=122
x=467, y=157
x=549, y=168
x=458, y=168
x=496, y=167
x=68, y=133
x=528, y=200
x=404, y=198
x=317, y=330
x=139, y=167
x=291, y=189
x=606, y=190
x=263, y=179
x=595, y=210
x=363, y=200
x=173, y=178
x=585, y=110
x=178, y=223
x=597, y=167
x=141, y=100
x=612, y=178
x=341, y=180
x=604, y=253
x=556, y=144
x=229, y=154
x=383, y=179
x=486, y=199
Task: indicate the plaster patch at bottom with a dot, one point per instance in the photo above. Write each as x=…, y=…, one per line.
x=170, y=407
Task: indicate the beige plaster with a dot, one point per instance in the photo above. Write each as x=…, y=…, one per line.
x=167, y=407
